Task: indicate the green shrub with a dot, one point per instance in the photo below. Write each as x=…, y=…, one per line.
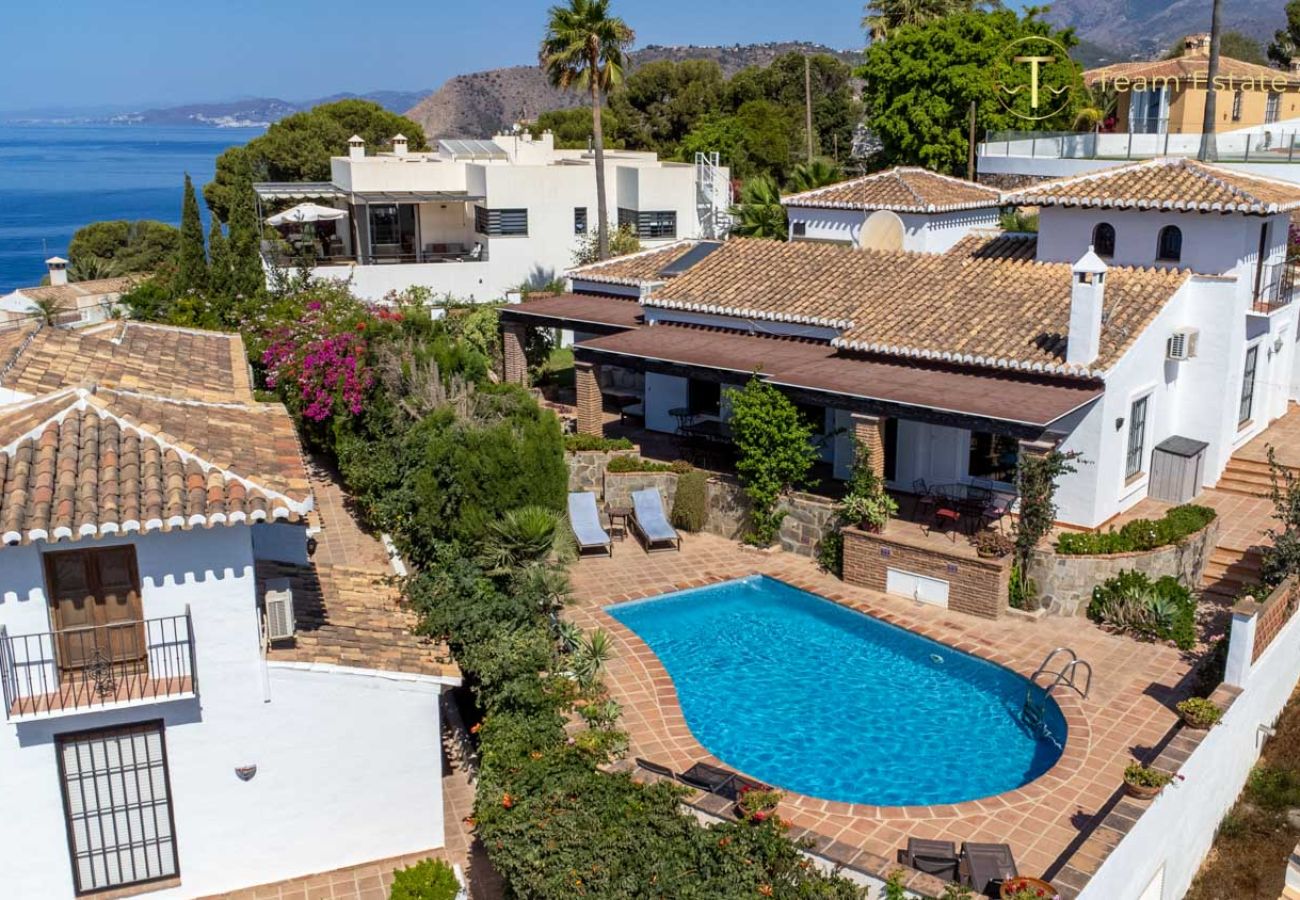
x=691, y=504
x=1160, y=610
x=830, y=550
x=624, y=464
x=579, y=442
x=1139, y=534
x=774, y=453
x=1273, y=788
x=431, y=879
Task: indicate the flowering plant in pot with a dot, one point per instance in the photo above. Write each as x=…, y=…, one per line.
x=866, y=503
x=1023, y=887
x=1145, y=782
x=757, y=804
x=1199, y=713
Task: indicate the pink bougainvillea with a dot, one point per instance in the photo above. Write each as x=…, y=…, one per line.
x=322, y=358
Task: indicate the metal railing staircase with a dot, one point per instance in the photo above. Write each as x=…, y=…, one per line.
x=1040, y=687
x=712, y=196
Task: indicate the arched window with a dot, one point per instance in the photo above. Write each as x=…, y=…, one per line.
x=1103, y=239
x=1170, y=248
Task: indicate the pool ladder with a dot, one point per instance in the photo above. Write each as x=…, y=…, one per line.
x=1067, y=676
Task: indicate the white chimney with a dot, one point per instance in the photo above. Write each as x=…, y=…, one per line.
x=1087, y=297
x=400, y=144
x=58, y=267
x=356, y=147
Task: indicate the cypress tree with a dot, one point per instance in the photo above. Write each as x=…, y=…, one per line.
x=248, y=278
x=191, y=259
x=219, y=273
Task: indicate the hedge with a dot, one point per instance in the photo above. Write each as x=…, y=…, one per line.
x=625, y=464
x=579, y=442
x=1138, y=535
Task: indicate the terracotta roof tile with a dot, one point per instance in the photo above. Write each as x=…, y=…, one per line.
x=75, y=292
x=902, y=189
x=635, y=268
x=78, y=463
x=985, y=303
x=174, y=362
x=1169, y=184
x=1186, y=67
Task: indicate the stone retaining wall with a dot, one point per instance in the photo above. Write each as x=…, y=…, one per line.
x=1065, y=582
x=807, y=515
x=978, y=587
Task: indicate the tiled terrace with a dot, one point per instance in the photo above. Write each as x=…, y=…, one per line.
x=1130, y=710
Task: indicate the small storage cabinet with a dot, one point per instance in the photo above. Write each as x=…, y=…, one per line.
x=1177, y=467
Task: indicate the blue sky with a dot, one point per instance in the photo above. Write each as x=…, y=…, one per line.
x=137, y=53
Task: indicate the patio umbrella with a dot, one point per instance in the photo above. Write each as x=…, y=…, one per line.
x=307, y=212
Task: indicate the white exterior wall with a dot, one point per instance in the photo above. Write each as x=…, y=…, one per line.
x=1177, y=830
x=348, y=763
x=549, y=184
x=922, y=233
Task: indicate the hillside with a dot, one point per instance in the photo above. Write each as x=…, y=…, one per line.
x=256, y=111
x=482, y=103
x=1148, y=27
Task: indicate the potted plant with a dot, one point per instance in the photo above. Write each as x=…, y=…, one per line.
x=1144, y=782
x=871, y=511
x=757, y=804
x=990, y=544
x=1199, y=713
x=1022, y=887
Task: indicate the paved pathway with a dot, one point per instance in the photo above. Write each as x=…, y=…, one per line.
x=1129, y=711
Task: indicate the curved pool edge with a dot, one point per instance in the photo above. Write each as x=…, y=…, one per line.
x=1070, y=762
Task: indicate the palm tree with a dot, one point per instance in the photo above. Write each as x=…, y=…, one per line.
x=583, y=49
x=760, y=213
x=88, y=267
x=48, y=310
x=1209, y=149
x=808, y=176
x=883, y=16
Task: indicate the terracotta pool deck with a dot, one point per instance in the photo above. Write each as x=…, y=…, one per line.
x=1047, y=823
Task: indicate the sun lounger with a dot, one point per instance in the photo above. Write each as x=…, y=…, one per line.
x=987, y=866
x=655, y=768
x=716, y=780
x=937, y=858
x=584, y=519
x=649, y=521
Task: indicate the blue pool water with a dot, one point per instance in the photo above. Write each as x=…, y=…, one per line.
x=824, y=701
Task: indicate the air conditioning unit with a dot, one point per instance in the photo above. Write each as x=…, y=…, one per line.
x=279, y=610
x=1182, y=344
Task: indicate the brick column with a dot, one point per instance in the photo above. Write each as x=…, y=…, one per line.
x=869, y=432
x=513, y=337
x=587, y=379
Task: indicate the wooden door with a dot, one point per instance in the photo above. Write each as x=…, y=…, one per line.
x=95, y=600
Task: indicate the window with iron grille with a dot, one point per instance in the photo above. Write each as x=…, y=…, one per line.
x=501, y=222
x=1236, y=105
x=1137, y=437
x=580, y=220
x=649, y=224
x=1247, y=408
x=1272, y=107
x=799, y=229
x=1169, y=248
x=117, y=804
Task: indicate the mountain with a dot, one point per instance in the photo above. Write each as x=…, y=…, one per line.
x=482, y=103
x=254, y=111
x=1146, y=28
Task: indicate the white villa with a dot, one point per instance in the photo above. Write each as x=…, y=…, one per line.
x=174, y=722
x=79, y=302
x=474, y=219
x=1147, y=326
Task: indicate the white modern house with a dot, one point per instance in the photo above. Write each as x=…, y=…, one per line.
x=1149, y=324
x=474, y=219
x=162, y=733
x=78, y=302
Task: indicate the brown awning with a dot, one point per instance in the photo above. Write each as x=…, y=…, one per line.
x=580, y=312
x=874, y=383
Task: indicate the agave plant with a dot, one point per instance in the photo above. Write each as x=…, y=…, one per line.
x=594, y=649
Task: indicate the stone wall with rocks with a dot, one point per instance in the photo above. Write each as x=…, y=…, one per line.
x=1065, y=583
x=807, y=515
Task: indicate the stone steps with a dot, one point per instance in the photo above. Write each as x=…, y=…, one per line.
x=1228, y=571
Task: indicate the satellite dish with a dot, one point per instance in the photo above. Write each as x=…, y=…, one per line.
x=883, y=230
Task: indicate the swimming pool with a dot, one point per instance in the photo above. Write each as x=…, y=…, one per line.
x=819, y=699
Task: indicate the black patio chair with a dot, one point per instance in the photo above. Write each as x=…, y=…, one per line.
x=937, y=858
x=987, y=866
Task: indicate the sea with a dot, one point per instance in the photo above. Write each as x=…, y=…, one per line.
x=56, y=178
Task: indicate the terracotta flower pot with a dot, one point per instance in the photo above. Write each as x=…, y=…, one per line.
x=1042, y=888
x=1141, y=791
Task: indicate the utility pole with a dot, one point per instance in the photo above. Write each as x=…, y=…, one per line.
x=970, y=149
x=807, y=101
x=1209, y=145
